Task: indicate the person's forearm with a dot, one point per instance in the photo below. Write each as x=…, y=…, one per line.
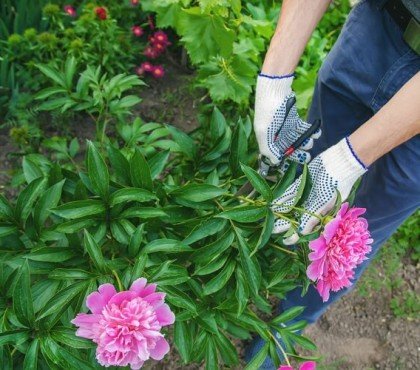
x=394, y=124
x=298, y=20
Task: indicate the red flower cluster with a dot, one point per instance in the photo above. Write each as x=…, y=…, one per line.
x=70, y=10
x=137, y=31
x=101, y=13
x=158, y=43
x=135, y=2
x=147, y=67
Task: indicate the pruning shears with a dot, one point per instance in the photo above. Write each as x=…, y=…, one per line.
x=267, y=168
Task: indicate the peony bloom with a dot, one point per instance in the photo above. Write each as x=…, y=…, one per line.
x=134, y=2
x=341, y=247
x=70, y=10
x=126, y=325
x=158, y=72
x=308, y=365
x=137, y=31
x=101, y=13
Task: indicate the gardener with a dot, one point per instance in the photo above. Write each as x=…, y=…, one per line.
x=367, y=97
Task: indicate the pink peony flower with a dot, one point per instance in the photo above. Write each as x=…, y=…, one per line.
x=134, y=2
x=341, y=247
x=126, y=325
x=137, y=31
x=308, y=365
x=160, y=37
x=101, y=13
x=70, y=10
x=158, y=72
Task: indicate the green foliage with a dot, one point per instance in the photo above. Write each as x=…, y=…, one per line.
x=126, y=214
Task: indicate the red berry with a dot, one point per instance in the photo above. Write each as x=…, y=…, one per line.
x=101, y=13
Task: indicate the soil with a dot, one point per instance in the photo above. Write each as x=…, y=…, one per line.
x=357, y=333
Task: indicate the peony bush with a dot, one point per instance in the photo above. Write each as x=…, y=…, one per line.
x=146, y=249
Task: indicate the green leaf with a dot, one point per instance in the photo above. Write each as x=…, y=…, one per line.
x=7, y=230
x=211, y=355
x=259, y=358
x=31, y=357
x=302, y=341
x=245, y=213
x=94, y=252
x=206, y=228
x=158, y=162
x=135, y=241
x=238, y=148
x=258, y=182
x=48, y=200
x=142, y=212
x=242, y=291
x=218, y=124
x=178, y=298
x=140, y=171
x=211, y=266
x=28, y=197
x=265, y=232
x=131, y=195
x=249, y=264
x=79, y=209
x=97, y=171
x=220, y=280
x=227, y=350
x=61, y=300
x=31, y=170
x=211, y=35
x=186, y=143
x=183, y=340
x=15, y=337
x=50, y=254
x=52, y=74
x=211, y=251
x=285, y=181
x=6, y=210
x=22, y=297
x=120, y=164
x=288, y=315
x=68, y=337
x=198, y=192
x=166, y=246
x=72, y=226
x=70, y=274
x=302, y=184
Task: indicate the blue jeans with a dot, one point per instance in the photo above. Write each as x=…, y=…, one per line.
x=369, y=63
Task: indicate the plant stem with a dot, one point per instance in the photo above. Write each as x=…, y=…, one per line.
x=283, y=249
x=280, y=347
x=120, y=286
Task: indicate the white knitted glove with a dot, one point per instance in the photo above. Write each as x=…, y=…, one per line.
x=277, y=124
x=334, y=170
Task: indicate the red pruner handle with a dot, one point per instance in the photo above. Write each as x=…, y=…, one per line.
x=289, y=151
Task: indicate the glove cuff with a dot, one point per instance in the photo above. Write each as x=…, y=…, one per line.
x=275, y=87
x=342, y=161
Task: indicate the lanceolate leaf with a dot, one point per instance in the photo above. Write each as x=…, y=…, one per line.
x=258, y=182
x=94, y=252
x=140, y=172
x=245, y=213
x=166, y=246
x=221, y=279
x=131, y=195
x=97, y=171
x=22, y=297
x=79, y=209
x=31, y=357
x=198, y=192
x=258, y=359
x=183, y=342
x=48, y=200
x=28, y=197
x=14, y=337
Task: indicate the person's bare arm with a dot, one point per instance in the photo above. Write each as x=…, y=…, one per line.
x=395, y=123
x=298, y=20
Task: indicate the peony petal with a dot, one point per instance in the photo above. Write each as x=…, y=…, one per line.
x=155, y=299
x=96, y=301
x=164, y=315
x=343, y=210
x=88, y=325
x=319, y=247
x=149, y=289
x=160, y=350
x=138, y=285
x=330, y=229
x=285, y=367
x=121, y=297
x=315, y=270
x=308, y=365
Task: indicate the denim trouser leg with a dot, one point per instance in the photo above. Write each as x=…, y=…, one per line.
x=368, y=65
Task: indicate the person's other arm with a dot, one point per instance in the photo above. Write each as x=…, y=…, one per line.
x=298, y=19
x=397, y=122
x=274, y=95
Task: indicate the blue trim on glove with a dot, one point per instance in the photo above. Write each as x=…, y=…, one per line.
x=354, y=154
x=276, y=77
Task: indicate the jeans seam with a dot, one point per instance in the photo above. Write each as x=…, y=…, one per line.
x=385, y=77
